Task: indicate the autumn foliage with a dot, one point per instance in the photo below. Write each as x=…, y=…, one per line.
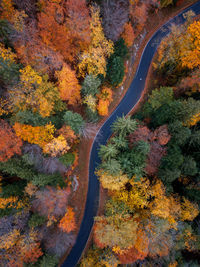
x=10, y=143
x=68, y=85
x=39, y=135
x=67, y=223
x=128, y=34
x=105, y=98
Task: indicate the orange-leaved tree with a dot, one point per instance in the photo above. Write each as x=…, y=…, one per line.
x=52, y=30
x=68, y=85
x=67, y=223
x=105, y=98
x=78, y=23
x=10, y=143
x=65, y=26
x=128, y=34
x=40, y=135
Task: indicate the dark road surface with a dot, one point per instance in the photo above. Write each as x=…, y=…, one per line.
x=128, y=102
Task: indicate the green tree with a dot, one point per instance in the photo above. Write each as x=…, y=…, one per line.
x=133, y=162
x=74, y=120
x=189, y=166
x=107, y=152
x=115, y=70
x=120, y=48
x=48, y=260
x=112, y=166
x=12, y=189
x=90, y=85
x=5, y=31
x=36, y=220
x=124, y=126
x=158, y=97
x=180, y=134
x=9, y=69
x=119, y=142
x=194, y=140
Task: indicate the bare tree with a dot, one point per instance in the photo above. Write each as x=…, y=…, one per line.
x=115, y=15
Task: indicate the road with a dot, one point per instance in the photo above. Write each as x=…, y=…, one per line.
x=128, y=102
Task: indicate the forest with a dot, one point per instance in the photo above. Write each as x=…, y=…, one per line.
x=62, y=63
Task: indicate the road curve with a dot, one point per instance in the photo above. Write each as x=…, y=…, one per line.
x=130, y=99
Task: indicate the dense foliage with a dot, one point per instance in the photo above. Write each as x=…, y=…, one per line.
x=60, y=63
x=150, y=169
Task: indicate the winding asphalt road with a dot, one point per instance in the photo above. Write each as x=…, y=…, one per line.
x=128, y=102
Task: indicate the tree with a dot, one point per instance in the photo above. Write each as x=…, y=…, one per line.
x=53, y=33
x=7, y=9
x=93, y=60
x=57, y=146
x=36, y=220
x=90, y=85
x=124, y=126
x=189, y=210
x=102, y=107
x=67, y=223
x=190, y=84
x=115, y=231
x=115, y=70
x=65, y=27
x=189, y=166
x=107, y=152
x=113, y=166
x=105, y=98
x=137, y=252
x=78, y=23
x=10, y=143
x=181, y=46
x=138, y=14
x=67, y=133
x=137, y=196
x=128, y=34
x=50, y=202
x=9, y=69
x=189, y=51
x=180, y=134
x=29, y=246
x=112, y=182
x=40, y=135
x=74, y=120
x=56, y=241
x=34, y=92
x=158, y=97
x=91, y=103
x=48, y=260
x=115, y=15
x=121, y=49
x=68, y=85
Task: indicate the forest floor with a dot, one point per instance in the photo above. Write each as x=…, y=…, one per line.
x=154, y=21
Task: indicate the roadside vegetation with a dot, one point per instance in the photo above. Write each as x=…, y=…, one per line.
x=150, y=167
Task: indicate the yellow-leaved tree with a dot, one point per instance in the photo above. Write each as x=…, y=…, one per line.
x=93, y=60
x=34, y=92
x=190, y=48
x=112, y=182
